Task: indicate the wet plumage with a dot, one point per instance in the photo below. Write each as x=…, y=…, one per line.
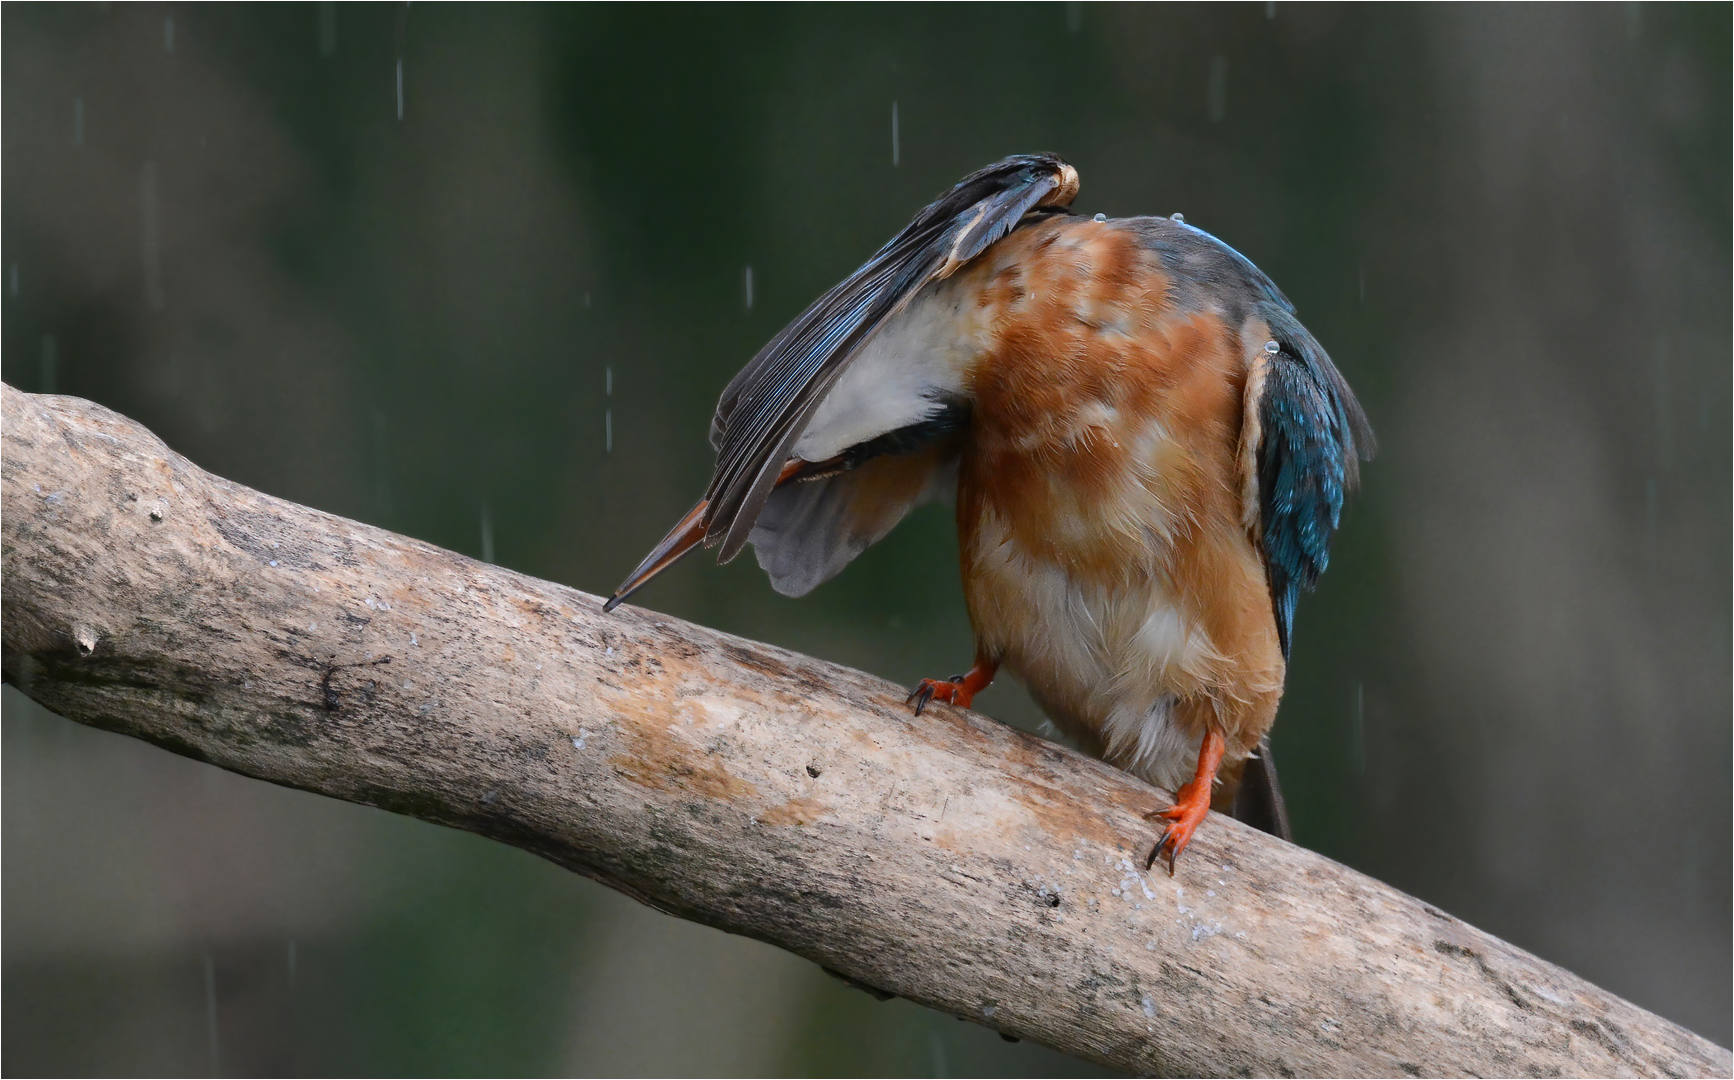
x=1148, y=453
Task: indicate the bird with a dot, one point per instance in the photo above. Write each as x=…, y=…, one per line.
x=1147, y=452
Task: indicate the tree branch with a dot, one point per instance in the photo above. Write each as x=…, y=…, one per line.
x=950, y=859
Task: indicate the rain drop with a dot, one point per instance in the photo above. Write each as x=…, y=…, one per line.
x=211, y=1014
x=1100, y=217
x=381, y=468
x=1272, y=347
x=50, y=362
x=327, y=29
x=1218, y=91
x=1360, y=728
x=1181, y=218
x=1650, y=506
x=151, y=237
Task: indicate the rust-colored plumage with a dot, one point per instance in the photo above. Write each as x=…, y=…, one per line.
x=1147, y=451
x=1099, y=503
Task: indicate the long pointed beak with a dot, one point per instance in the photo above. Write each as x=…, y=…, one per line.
x=681, y=539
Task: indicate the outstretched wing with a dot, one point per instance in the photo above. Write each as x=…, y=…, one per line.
x=1313, y=436
x=765, y=408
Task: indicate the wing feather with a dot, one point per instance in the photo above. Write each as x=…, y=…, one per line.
x=765, y=408
x=1314, y=435
x=809, y=531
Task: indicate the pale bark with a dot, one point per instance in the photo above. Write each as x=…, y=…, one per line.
x=949, y=859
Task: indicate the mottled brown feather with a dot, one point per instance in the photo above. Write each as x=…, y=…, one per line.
x=1105, y=446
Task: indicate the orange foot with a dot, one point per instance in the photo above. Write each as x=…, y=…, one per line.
x=1191, y=804
x=959, y=690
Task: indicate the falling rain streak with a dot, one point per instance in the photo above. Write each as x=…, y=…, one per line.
x=1664, y=414
x=400, y=88
x=12, y=280
x=749, y=288
x=151, y=237
x=50, y=361
x=78, y=121
x=211, y=1012
x=1074, y=16
x=1359, y=726
x=381, y=468
x=327, y=28
x=608, y=412
x=1218, y=88
x=168, y=35
x=1651, y=507
x=487, y=532
x=896, y=153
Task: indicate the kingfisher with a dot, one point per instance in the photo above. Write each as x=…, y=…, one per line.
x=1148, y=454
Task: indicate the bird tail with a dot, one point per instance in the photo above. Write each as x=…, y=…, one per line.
x=690, y=531
x=1258, y=802
x=681, y=539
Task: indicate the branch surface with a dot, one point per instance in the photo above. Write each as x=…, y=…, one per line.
x=950, y=859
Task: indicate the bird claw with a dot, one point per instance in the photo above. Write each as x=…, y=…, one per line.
x=1191, y=806
x=1156, y=853
x=951, y=691
x=959, y=690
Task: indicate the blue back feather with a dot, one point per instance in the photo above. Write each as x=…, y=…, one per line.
x=1314, y=434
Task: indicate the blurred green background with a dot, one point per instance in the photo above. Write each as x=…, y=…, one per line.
x=477, y=274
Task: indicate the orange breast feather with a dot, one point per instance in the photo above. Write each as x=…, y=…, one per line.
x=1100, y=502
